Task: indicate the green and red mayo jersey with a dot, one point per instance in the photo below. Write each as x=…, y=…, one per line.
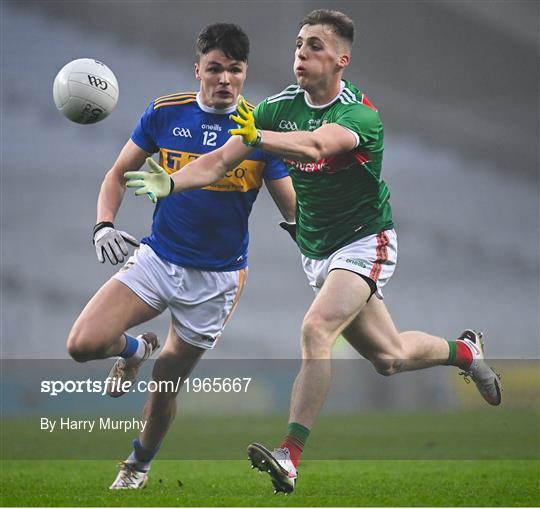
x=342, y=198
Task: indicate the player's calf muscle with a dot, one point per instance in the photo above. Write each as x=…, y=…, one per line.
x=161, y=408
x=386, y=366
x=386, y=351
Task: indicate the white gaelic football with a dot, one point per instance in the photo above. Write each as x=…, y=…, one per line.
x=85, y=91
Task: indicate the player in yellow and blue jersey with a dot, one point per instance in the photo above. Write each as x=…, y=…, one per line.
x=208, y=228
x=194, y=261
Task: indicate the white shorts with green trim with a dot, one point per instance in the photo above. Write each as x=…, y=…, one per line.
x=201, y=302
x=374, y=257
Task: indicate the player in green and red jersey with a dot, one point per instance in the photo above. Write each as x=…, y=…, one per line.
x=331, y=138
x=325, y=223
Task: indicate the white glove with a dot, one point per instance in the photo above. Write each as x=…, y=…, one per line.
x=111, y=242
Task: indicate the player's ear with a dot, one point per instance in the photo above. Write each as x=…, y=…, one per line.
x=197, y=69
x=344, y=60
x=244, y=77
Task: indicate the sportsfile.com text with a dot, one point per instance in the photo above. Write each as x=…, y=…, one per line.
x=205, y=385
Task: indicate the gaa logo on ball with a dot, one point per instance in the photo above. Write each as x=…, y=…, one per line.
x=85, y=91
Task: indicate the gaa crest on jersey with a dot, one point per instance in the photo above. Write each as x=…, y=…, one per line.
x=182, y=131
x=287, y=125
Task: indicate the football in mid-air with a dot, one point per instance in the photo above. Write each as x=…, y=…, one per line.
x=85, y=91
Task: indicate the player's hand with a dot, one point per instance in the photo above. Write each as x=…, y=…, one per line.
x=112, y=243
x=246, y=124
x=290, y=228
x=155, y=183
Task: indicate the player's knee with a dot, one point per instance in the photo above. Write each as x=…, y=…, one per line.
x=77, y=351
x=79, y=345
x=316, y=341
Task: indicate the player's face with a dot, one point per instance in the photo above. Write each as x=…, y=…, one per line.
x=319, y=57
x=221, y=79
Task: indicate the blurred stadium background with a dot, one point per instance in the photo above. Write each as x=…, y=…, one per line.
x=456, y=83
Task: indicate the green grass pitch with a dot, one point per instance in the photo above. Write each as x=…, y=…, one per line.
x=321, y=483
x=487, y=457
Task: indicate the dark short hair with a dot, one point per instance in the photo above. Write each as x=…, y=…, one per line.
x=227, y=37
x=340, y=23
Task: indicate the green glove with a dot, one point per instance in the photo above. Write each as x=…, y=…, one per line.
x=155, y=183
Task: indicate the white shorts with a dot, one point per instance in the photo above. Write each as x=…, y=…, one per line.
x=201, y=302
x=374, y=256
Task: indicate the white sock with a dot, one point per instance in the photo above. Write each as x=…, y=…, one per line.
x=139, y=353
x=141, y=466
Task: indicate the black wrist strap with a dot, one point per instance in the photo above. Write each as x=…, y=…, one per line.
x=99, y=226
x=290, y=228
x=172, y=186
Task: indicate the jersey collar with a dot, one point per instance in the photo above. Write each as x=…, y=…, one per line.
x=322, y=106
x=208, y=109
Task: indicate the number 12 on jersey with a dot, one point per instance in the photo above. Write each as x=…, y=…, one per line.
x=209, y=138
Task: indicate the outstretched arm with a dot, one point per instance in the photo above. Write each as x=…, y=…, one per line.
x=309, y=146
x=201, y=172
x=304, y=146
x=211, y=167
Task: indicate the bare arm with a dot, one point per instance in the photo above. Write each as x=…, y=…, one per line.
x=283, y=194
x=211, y=167
x=306, y=146
x=110, y=197
x=111, y=243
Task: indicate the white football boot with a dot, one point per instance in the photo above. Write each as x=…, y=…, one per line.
x=487, y=381
x=129, y=478
x=124, y=370
x=277, y=464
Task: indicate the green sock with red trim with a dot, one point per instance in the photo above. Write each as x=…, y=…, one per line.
x=295, y=441
x=459, y=355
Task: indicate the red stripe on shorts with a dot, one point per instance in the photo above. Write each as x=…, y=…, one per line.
x=382, y=255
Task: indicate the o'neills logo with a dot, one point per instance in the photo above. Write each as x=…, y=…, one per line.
x=309, y=167
x=211, y=127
